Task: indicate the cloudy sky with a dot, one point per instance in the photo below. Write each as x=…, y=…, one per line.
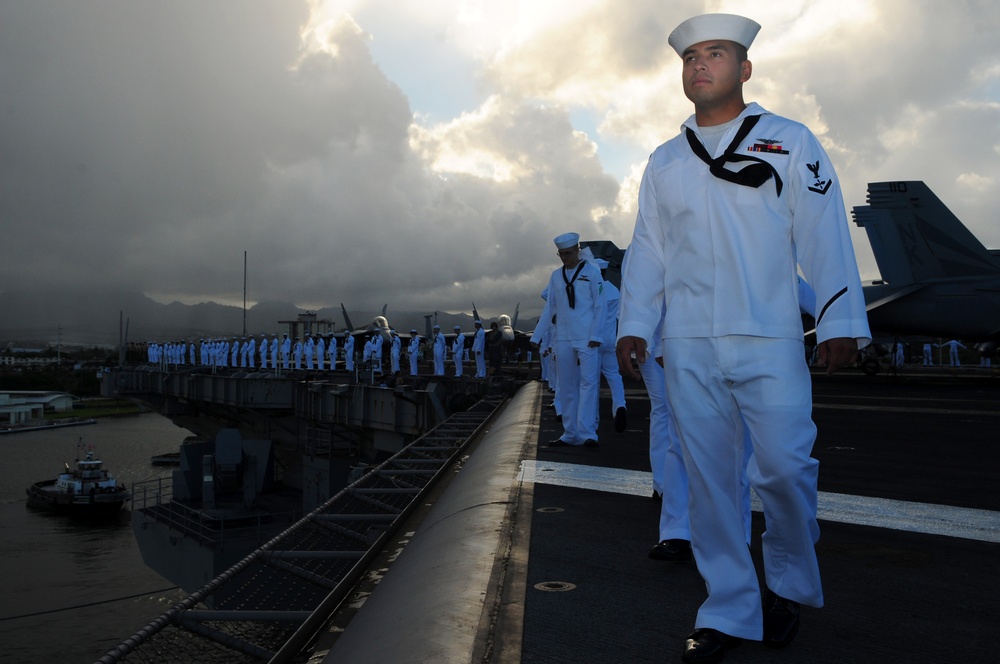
x=424, y=153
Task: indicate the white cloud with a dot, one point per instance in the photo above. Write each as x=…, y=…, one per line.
x=365, y=153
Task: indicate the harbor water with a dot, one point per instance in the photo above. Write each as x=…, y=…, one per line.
x=72, y=590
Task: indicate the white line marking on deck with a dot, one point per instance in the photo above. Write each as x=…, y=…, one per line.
x=974, y=524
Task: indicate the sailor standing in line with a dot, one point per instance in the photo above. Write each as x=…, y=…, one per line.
x=394, y=350
x=273, y=349
x=479, y=349
x=413, y=349
x=366, y=351
x=320, y=352
x=251, y=352
x=349, y=351
x=308, y=350
x=577, y=303
x=927, y=355
x=953, y=347
x=286, y=350
x=609, y=359
x=263, y=351
x=439, y=350
x=297, y=353
x=331, y=350
x=377, y=343
x=458, y=350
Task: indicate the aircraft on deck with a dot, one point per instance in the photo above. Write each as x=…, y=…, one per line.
x=379, y=324
x=938, y=280
x=513, y=339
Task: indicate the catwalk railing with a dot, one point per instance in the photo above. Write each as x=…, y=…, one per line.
x=271, y=604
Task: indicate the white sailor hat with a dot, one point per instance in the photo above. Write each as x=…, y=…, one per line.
x=413, y=331
x=458, y=327
x=567, y=240
x=437, y=327
x=601, y=263
x=705, y=27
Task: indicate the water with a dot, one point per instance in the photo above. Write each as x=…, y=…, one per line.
x=50, y=562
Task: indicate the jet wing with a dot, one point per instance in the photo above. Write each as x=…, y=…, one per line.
x=892, y=296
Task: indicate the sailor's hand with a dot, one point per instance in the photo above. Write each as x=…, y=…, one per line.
x=837, y=353
x=630, y=350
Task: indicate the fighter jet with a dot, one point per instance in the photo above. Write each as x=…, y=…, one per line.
x=379, y=325
x=938, y=280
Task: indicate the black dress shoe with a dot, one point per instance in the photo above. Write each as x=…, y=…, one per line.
x=621, y=420
x=672, y=550
x=590, y=442
x=781, y=620
x=707, y=645
x=558, y=442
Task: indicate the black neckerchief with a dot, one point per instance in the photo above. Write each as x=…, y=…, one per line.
x=750, y=176
x=570, y=292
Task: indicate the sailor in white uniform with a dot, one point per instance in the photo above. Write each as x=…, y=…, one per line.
x=413, y=351
x=458, y=350
x=308, y=351
x=440, y=346
x=577, y=303
x=479, y=349
x=331, y=350
x=286, y=351
x=394, y=351
x=727, y=211
x=349, y=351
x=320, y=350
x=377, y=343
x=609, y=359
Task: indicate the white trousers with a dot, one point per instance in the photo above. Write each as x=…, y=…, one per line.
x=578, y=375
x=716, y=388
x=609, y=367
x=665, y=458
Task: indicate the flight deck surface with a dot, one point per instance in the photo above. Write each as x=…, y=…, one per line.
x=910, y=534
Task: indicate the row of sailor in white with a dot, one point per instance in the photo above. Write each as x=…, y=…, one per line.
x=576, y=300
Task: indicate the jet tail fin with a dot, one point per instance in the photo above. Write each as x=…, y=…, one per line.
x=915, y=237
x=347, y=319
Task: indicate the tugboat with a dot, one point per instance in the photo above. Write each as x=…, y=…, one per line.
x=87, y=490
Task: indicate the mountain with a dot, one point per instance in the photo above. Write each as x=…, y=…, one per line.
x=33, y=318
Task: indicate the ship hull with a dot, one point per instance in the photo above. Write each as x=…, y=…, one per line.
x=43, y=495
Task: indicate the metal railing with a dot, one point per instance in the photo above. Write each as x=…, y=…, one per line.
x=271, y=604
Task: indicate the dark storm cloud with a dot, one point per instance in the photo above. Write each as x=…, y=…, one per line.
x=148, y=145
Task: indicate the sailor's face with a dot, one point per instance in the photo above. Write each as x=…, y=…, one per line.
x=713, y=72
x=570, y=257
